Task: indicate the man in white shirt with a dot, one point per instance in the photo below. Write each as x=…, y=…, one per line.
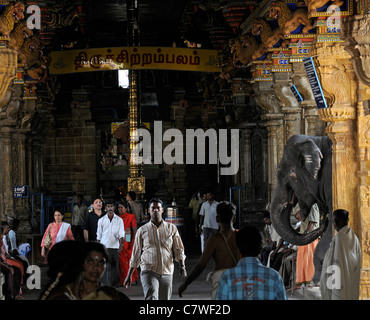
x=208, y=215
x=111, y=233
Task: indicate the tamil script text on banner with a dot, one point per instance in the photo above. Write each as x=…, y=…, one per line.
x=101, y=59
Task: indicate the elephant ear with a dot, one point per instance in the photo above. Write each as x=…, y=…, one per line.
x=310, y=157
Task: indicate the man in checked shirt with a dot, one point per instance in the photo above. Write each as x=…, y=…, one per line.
x=156, y=244
x=250, y=279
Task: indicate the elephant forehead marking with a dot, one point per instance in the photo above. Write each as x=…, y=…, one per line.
x=308, y=158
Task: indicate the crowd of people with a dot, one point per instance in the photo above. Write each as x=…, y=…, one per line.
x=107, y=246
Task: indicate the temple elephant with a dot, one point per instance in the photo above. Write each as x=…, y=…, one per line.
x=304, y=176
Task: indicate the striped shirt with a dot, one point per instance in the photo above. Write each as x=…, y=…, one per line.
x=156, y=247
x=250, y=280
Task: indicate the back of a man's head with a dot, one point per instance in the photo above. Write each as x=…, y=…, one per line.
x=225, y=212
x=249, y=241
x=341, y=218
x=132, y=195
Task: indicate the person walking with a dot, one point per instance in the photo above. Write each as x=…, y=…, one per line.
x=221, y=247
x=135, y=208
x=250, y=279
x=208, y=224
x=156, y=244
x=110, y=233
x=340, y=276
x=58, y=230
x=129, y=222
x=78, y=217
x=91, y=220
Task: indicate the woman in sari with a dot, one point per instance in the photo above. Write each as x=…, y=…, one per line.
x=130, y=225
x=59, y=231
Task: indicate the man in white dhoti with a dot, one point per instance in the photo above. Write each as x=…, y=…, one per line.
x=340, y=277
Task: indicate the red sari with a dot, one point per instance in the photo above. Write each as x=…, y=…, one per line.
x=129, y=222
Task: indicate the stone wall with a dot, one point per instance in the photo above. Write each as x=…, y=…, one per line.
x=70, y=156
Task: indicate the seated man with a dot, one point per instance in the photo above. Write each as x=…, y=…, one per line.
x=250, y=280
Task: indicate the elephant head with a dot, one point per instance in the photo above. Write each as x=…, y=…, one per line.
x=304, y=177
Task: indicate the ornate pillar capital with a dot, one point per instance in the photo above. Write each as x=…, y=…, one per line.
x=355, y=33
x=336, y=74
x=337, y=118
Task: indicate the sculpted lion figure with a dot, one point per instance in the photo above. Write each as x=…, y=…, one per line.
x=31, y=58
x=246, y=49
x=269, y=37
x=29, y=52
x=262, y=28
x=289, y=21
x=11, y=15
x=225, y=63
x=18, y=35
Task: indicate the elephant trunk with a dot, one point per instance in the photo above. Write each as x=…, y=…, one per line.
x=280, y=218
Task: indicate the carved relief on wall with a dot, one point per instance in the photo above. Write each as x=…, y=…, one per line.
x=367, y=242
x=356, y=30
x=365, y=196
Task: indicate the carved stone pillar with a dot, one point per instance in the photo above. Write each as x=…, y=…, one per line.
x=355, y=33
x=273, y=121
x=20, y=157
x=340, y=87
x=6, y=187
x=246, y=158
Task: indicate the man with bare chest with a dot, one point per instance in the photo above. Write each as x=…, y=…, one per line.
x=220, y=246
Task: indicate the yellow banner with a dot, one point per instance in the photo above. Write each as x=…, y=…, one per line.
x=101, y=59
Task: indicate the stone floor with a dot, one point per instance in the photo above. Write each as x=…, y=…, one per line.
x=198, y=290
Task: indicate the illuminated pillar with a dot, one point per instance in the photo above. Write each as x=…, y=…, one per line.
x=135, y=181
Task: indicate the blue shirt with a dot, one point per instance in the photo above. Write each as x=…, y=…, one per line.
x=250, y=280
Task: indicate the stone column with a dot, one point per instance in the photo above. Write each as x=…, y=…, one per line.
x=340, y=87
x=273, y=121
x=7, y=201
x=21, y=205
x=355, y=34
x=245, y=158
